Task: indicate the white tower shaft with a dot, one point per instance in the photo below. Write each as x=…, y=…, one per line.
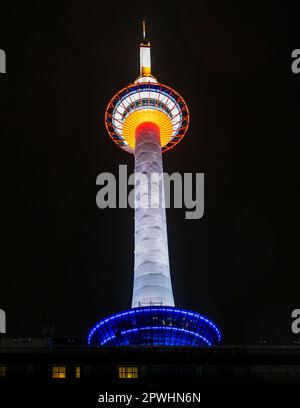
x=152, y=281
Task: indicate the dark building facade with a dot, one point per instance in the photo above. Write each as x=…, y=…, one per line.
x=65, y=371
x=33, y=361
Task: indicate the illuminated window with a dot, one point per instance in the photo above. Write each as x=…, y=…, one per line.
x=58, y=372
x=2, y=371
x=128, y=372
x=77, y=372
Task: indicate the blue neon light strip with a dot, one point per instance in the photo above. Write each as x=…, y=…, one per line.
x=160, y=328
x=168, y=310
x=157, y=310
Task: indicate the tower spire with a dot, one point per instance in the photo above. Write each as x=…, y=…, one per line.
x=144, y=31
x=145, y=55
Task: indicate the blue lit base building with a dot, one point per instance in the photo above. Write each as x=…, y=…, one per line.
x=155, y=326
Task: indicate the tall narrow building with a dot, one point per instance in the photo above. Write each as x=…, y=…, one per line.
x=147, y=118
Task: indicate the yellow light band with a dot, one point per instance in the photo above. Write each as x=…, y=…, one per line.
x=146, y=71
x=147, y=115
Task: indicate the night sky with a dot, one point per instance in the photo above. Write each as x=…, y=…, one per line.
x=67, y=261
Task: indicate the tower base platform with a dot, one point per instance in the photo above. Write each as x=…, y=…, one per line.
x=155, y=326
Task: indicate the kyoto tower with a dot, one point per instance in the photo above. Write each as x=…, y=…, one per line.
x=147, y=118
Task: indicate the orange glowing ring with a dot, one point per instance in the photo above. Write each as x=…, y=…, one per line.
x=144, y=102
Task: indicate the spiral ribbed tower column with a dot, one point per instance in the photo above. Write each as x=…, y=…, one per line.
x=152, y=280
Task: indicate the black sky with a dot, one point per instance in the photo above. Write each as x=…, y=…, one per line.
x=61, y=255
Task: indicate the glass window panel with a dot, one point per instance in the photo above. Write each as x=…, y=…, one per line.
x=58, y=372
